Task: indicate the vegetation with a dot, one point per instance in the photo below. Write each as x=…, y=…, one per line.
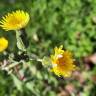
x=71, y=23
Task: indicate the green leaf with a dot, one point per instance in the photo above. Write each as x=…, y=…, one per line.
x=20, y=43
x=17, y=83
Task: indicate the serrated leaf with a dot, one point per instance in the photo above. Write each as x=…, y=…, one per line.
x=20, y=43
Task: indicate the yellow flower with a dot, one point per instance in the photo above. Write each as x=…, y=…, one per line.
x=62, y=62
x=3, y=44
x=15, y=20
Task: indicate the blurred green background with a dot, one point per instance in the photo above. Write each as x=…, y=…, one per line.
x=54, y=22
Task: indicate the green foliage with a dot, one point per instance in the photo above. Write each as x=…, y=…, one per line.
x=53, y=22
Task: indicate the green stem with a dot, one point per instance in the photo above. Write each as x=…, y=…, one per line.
x=39, y=60
x=11, y=66
x=14, y=64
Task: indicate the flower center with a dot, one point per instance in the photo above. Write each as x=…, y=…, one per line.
x=14, y=21
x=60, y=59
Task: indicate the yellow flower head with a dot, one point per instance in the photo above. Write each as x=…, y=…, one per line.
x=62, y=62
x=3, y=44
x=15, y=20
